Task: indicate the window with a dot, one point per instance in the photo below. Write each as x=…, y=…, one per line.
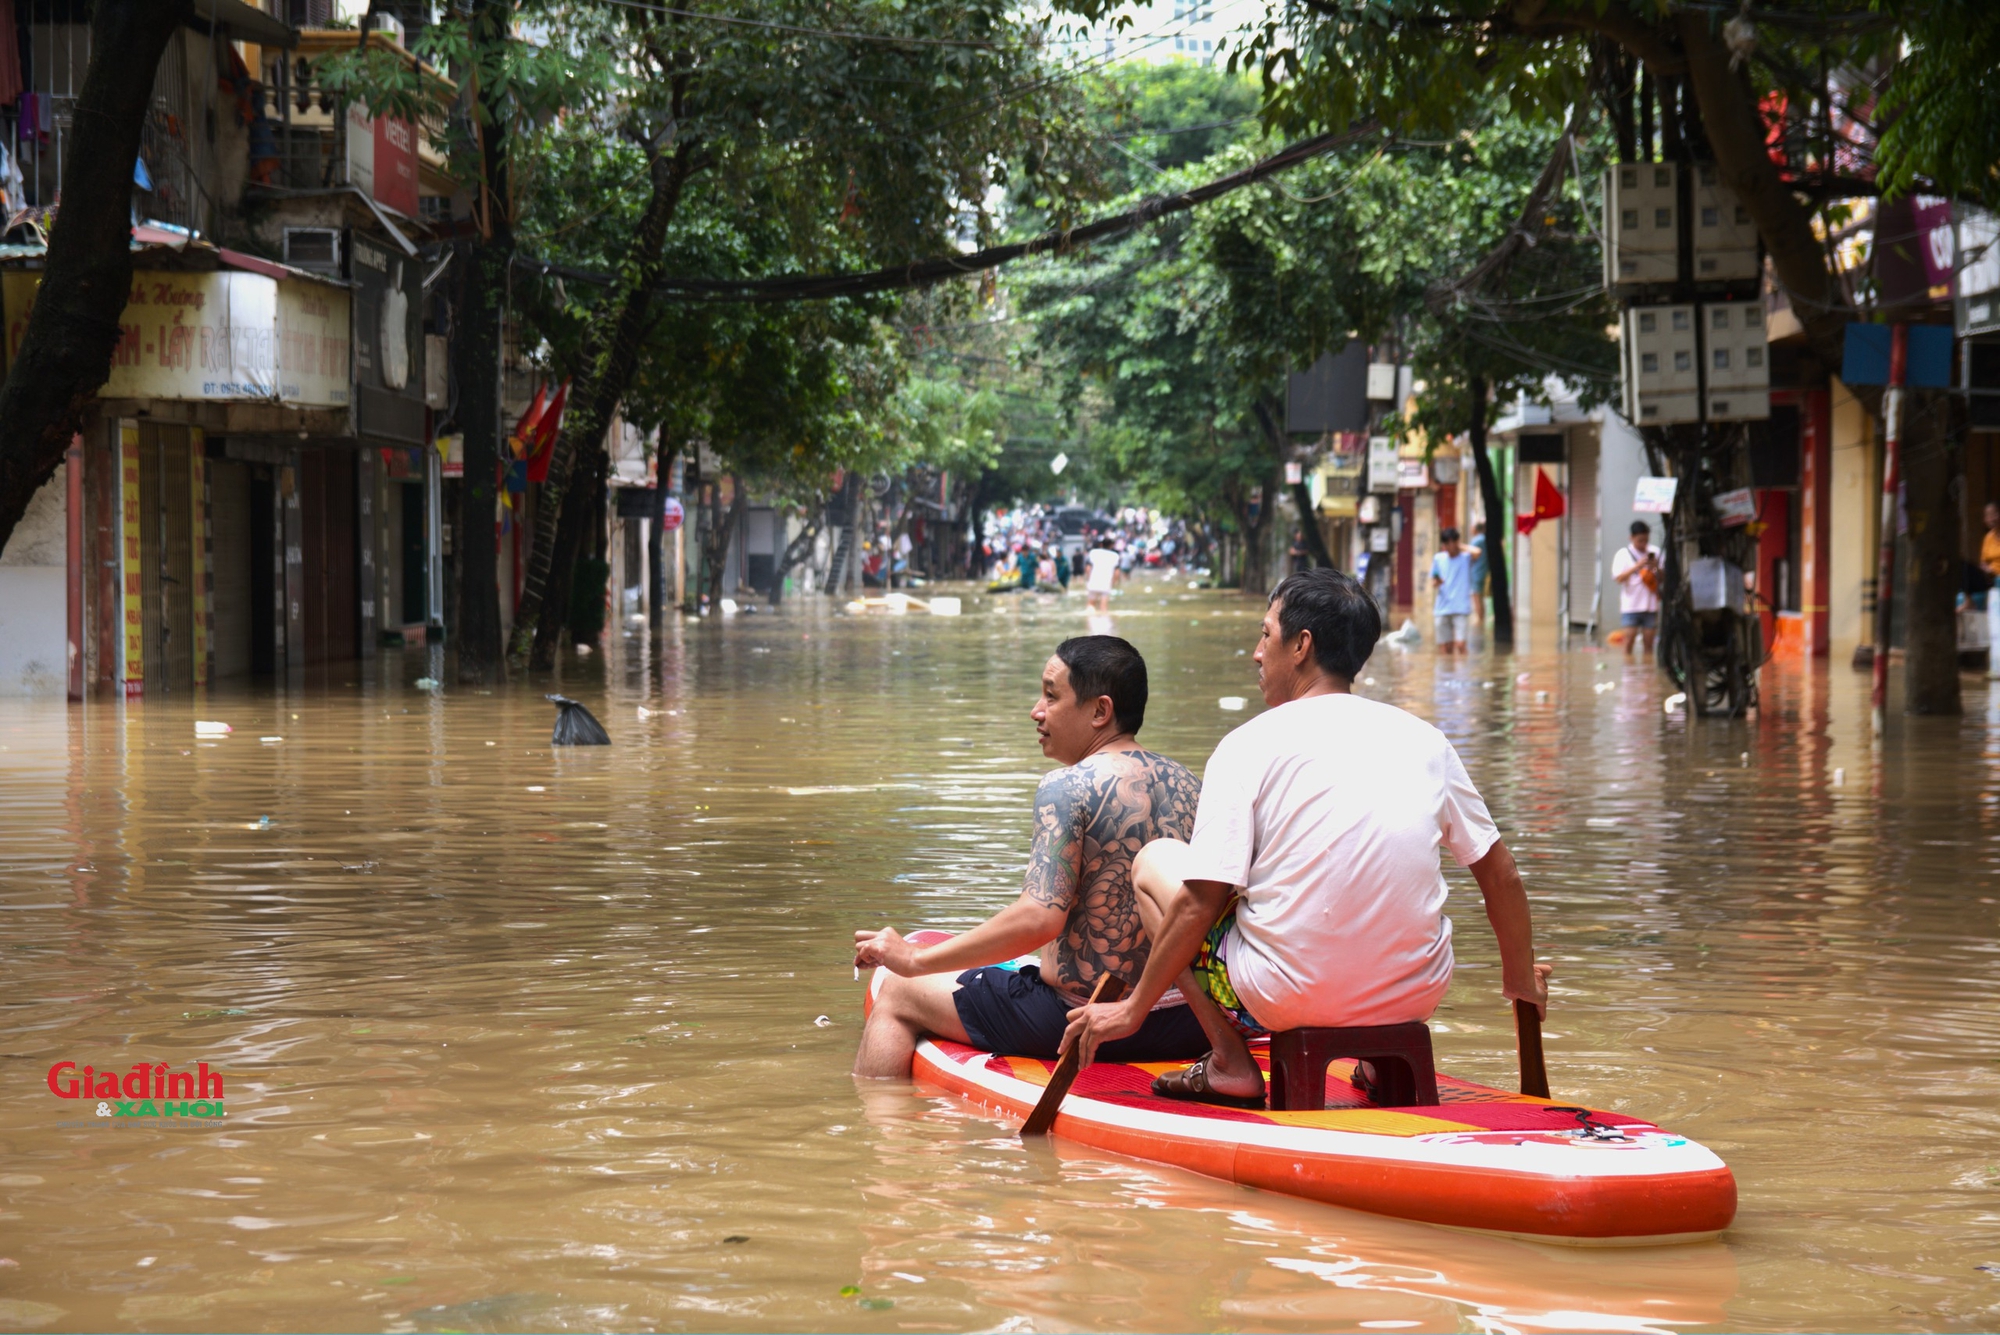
x=1753, y=317
x=1663, y=178
x=1722, y=359
x=1649, y=323
x=1683, y=361
x=1630, y=219
x=1718, y=317
x=1628, y=179
x=1753, y=357
x=1649, y=363
x=1680, y=320
x=1663, y=217
x=1711, y=217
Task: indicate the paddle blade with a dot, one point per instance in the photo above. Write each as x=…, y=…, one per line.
x=1109, y=988
x=1528, y=1038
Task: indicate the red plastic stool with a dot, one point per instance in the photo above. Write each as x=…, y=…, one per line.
x=1405, y=1074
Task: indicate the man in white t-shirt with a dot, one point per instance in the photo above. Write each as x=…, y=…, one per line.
x=1636, y=568
x=1311, y=893
x=1104, y=573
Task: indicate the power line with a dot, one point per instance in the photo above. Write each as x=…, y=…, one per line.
x=942, y=268
x=843, y=33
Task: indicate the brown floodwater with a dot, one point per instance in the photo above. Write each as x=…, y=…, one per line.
x=525, y=1039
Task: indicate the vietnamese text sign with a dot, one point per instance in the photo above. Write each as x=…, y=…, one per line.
x=313, y=344
x=1655, y=495
x=213, y=336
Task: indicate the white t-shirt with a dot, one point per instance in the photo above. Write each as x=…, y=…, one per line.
x=1328, y=813
x=1633, y=595
x=1103, y=562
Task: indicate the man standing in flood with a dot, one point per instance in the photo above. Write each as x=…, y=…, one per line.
x=1077, y=909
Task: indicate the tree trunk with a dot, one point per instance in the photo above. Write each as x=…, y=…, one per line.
x=476, y=355
x=1930, y=662
x=795, y=552
x=1497, y=528
x=1256, y=560
x=66, y=352
x=1736, y=135
x=1301, y=494
x=715, y=542
x=614, y=360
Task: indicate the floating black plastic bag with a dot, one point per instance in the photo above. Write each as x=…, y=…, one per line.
x=575, y=725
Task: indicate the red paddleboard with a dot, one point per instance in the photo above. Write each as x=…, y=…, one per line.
x=1483, y=1158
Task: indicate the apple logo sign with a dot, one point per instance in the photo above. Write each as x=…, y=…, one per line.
x=396, y=331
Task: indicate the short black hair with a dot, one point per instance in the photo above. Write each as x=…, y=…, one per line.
x=1449, y=535
x=1343, y=619
x=1106, y=665
x=1641, y=526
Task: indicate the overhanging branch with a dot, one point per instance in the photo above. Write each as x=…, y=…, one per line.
x=943, y=268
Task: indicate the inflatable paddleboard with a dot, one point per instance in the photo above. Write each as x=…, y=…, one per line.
x=1482, y=1159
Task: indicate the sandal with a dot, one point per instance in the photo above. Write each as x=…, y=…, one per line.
x=1191, y=1086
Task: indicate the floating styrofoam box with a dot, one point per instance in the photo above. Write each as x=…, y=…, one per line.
x=942, y=606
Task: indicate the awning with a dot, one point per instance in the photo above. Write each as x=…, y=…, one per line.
x=248, y=22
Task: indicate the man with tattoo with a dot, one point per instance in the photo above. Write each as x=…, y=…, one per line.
x=1077, y=908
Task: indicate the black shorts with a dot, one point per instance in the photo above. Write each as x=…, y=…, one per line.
x=1013, y=1011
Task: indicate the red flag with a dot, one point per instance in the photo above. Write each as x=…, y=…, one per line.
x=546, y=431
x=524, y=430
x=1549, y=503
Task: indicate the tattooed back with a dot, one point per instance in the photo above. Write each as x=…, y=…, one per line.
x=1091, y=820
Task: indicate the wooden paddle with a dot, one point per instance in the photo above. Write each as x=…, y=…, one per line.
x=1528, y=1038
x=1109, y=988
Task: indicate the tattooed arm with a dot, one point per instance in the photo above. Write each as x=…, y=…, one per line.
x=1030, y=922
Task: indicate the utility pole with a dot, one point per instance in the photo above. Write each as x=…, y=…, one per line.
x=1885, y=580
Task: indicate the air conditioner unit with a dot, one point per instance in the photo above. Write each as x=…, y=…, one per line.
x=1725, y=240
x=314, y=248
x=1736, y=355
x=1659, y=347
x=1641, y=223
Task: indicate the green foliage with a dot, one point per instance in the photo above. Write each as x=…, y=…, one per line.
x=1168, y=341
x=1155, y=118
x=1942, y=109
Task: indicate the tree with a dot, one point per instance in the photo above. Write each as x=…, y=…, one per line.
x=1709, y=81
x=1186, y=334
x=65, y=353
x=867, y=133
x=509, y=91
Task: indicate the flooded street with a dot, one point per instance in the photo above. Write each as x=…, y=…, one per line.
x=518, y=1038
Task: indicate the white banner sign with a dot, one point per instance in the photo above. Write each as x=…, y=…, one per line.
x=1655, y=495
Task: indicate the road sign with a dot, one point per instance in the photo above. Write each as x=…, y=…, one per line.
x=671, y=514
